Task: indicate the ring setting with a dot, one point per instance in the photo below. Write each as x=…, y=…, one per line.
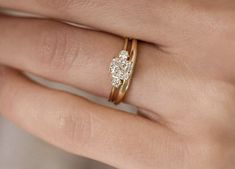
x=122, y=69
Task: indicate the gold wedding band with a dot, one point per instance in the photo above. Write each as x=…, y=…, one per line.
x=122, y=69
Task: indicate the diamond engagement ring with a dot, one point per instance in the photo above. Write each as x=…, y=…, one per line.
x=121, y=69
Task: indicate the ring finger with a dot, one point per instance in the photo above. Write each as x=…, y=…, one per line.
x=74, y=56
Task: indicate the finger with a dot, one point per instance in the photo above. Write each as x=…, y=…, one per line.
x=154, y=21
x=81, y=58
x=74, y=56
x=84, y=128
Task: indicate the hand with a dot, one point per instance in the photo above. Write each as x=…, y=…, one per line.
x=183, y=83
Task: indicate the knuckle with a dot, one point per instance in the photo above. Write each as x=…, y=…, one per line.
x=56, y=4
x=66, y=5
x=91, y=3
x=76, y=129
x=58, y=49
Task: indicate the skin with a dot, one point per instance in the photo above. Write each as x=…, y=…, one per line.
x=183, y=83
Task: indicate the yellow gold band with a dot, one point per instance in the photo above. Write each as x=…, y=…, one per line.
x=122, y=68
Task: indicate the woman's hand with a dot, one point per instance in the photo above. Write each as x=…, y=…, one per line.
x=183, y=84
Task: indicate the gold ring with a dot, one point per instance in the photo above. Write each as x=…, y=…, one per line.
x=122, y=69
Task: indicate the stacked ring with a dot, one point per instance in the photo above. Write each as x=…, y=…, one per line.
x=121, y=69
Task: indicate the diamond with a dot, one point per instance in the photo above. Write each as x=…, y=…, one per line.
x=116, y=82
x=124, y=54
x=120, y=69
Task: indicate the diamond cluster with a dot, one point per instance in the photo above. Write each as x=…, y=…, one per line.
x=120, y=68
